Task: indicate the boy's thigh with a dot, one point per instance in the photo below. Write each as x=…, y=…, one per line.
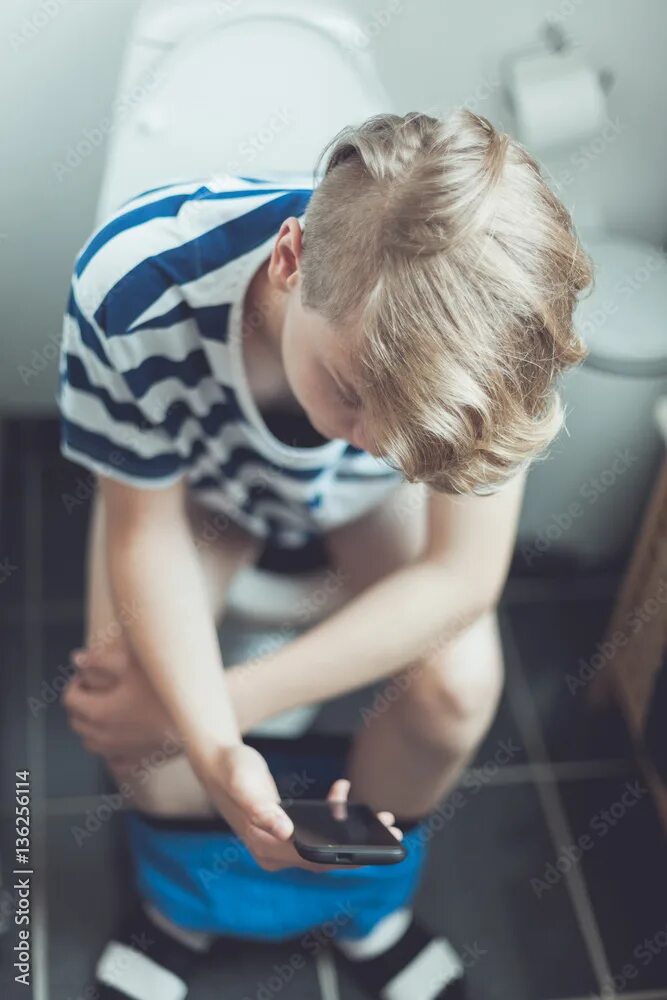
x=383, y=540
x=224, y=548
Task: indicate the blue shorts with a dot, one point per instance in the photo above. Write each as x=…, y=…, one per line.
x=198, y=873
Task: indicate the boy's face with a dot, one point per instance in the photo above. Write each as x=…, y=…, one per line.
x=321, y=374
x=317, y=358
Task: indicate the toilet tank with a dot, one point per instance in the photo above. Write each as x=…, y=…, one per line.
x=224, y=87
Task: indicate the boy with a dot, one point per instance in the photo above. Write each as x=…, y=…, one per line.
x=411, y=313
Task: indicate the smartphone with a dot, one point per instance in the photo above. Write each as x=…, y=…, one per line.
x=341, y=833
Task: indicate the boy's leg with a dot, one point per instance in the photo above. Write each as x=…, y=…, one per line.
x=409, y=754
x=157, y=785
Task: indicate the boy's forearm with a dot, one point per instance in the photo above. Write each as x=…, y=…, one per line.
x=174, y=636
x=387, y=627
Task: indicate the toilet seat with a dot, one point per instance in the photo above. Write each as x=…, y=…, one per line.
x=211, y=89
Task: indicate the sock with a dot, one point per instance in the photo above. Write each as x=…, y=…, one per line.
x=401, y=960
x=149, y=957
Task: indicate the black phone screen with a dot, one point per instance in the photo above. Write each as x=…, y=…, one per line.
x=325, y=824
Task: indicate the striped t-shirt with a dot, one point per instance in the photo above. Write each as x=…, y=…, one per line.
x=152, y=379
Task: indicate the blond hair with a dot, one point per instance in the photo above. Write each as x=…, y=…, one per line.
x=441, y=241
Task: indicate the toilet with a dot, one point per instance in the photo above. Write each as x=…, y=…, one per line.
x=255, y=89
x=295, y=74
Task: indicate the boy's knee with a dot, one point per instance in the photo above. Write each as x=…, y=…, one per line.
x=455, y=692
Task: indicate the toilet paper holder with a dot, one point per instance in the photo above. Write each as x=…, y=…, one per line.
x=554, y=39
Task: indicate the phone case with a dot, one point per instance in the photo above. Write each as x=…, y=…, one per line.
x=351, y=855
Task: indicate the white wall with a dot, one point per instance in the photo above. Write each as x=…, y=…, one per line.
x=59, y=61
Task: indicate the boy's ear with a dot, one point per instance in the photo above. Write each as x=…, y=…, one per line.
x=286, y=256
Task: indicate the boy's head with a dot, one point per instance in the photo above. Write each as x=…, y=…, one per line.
x=437, y=274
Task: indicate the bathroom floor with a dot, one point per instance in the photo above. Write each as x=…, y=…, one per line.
x=534, y=918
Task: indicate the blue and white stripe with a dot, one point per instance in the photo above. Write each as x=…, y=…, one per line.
x=152, y=381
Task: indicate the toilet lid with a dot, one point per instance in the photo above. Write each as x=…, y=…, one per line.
x=623, y=321
x=247, y=98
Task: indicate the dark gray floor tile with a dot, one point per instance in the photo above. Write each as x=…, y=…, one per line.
x=477, y=891
x=14, y=448
x=87, y=880
x=13, y=709
x=70, y=769
x=344, y=715
x=247, y=971
x=89, y=887
x=66, y=491
x=557, y=643
x=624, y=862
x=63, y=495
x=503, y=744
x=348, y=988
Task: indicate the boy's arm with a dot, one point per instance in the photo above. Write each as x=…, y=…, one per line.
x=153, y=567
x=397, y=620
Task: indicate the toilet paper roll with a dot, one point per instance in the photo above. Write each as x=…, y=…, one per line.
x=557, y=99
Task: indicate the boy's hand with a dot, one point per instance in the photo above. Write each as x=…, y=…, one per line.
x=116, y=713
x=115, y=710
x=246, y=794
x=113, y=707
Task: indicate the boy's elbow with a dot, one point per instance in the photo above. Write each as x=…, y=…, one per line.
x=484, y=592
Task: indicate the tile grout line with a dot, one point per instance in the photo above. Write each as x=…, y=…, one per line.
x=545, y=590
x=66, y=611
x=641, y=995
x=556, y=817
x=66, y=805
x=573, y=770
x=35, y=736
x=327, y=975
